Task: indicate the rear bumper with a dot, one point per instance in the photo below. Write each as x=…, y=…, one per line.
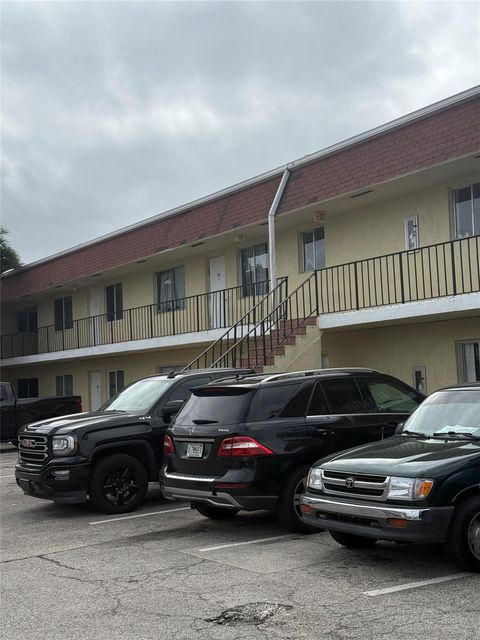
x=44, y=484
x=206, y=490
x=426, y=524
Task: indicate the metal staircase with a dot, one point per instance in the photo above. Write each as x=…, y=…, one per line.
x=265, y=329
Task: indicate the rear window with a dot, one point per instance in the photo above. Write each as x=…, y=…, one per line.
x=215, y=405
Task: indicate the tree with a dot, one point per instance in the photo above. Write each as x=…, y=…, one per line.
x=9, y=258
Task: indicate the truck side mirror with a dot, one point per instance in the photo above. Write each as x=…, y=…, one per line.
x=399, y=428
x=171, y=408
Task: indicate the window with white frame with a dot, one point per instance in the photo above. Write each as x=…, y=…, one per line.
x=313, y=249
x=254, y=270
x=470, y=361
x=412, y=240
x=64, y=385
x=27, y=321
x=115, y=382
x=466, y=209
x=63, y=313
x=171, y=289
x=114, y=299
x=27, y=388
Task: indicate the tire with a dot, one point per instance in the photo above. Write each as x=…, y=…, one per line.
x=463, y=542
x=351, y=541
x=288, y=509
x=215, y=513
x=118, y=484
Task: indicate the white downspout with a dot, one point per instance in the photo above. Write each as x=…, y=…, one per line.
x=272, y=256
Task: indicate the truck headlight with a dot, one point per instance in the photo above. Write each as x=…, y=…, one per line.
x=63, y=445
x=314, y=479
x=409, y=488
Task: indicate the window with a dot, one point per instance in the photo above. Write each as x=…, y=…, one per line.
x=183, y=389
x=412, y=240
x=313, y=245
x=343, y=396
x=27, y=321
x=114, y=302
x=470, y=361
x=268, y=402
x=64, y=385
x=115, y=382
x=318, y=404
x=27, y=388
x=420, y=378
x=63, y=313
x=254, y=266
x=171, y=289
x=466, y=207
x=392, y=397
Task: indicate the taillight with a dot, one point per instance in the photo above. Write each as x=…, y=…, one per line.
x=168, y=446
x=242, y=446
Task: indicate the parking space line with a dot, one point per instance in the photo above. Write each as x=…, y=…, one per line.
x=10, y=476
x=418, y=583
x=140, y=515
x=239, y=544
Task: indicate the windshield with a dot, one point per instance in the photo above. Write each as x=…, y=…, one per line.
x=139, y=397
x=447, y=413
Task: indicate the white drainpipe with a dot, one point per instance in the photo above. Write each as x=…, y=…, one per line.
x=271, y=229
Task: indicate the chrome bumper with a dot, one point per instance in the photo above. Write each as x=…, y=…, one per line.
x=327, y=505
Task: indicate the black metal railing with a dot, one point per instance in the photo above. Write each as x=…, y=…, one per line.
x=192, y=314
x=264, y=329
x=435, y=271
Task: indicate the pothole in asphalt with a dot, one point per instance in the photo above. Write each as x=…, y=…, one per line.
x=251, y=613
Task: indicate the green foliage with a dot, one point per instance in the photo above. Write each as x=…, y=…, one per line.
x=9, y=258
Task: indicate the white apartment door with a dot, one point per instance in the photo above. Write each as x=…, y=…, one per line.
x=94, y=327
x=95, y=390
x=218, y=300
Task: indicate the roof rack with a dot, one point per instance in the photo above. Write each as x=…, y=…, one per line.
x=314, y=372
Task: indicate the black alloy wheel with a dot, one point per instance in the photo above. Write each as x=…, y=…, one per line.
x=288, y=509
x=119, y=484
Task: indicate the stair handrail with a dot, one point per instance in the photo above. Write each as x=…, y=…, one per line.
x=283, y=281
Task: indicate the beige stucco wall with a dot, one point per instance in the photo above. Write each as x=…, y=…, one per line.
x=397, y=349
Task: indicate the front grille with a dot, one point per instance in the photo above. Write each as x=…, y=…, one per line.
x=355, y=484
x=32, y=451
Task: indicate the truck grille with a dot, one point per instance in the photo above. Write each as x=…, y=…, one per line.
x=355, y=485
x=32, y=451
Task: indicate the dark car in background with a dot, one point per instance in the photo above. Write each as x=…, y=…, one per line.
x=248, y=444
x=109, y=455
x=423, y=485
x=15, y=412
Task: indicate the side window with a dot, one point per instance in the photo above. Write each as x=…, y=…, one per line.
x=343, y=396
x=391, y=396
x=296, y=407
x=183, y=389
x=27, y=388
x=318, y=405
x=269, y=402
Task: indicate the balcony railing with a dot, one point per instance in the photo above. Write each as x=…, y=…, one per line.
x=435, y=271
x=192, y=314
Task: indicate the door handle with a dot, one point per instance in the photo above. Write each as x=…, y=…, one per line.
x=325, y=432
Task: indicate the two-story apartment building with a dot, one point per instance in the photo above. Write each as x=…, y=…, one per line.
x=366, y=253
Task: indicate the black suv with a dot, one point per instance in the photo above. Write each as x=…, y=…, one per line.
x=248, y=444
x=109, y=455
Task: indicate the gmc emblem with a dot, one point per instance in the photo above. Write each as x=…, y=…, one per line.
x=30, y=444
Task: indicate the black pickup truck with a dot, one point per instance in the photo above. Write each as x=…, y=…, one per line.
x=420, y=485
x=15, y=412
x=109, y=455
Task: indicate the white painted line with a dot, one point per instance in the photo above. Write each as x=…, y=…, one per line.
x=239, y=544
x=12, y=476
x=140, y=515
x=415, y=585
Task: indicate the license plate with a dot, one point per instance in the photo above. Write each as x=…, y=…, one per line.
x=194, y=449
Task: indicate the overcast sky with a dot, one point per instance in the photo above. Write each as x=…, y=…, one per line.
x=116, y=111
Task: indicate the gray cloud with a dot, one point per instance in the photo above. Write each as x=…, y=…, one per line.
x=115, y=111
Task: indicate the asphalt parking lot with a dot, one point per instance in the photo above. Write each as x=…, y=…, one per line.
x=167, y=572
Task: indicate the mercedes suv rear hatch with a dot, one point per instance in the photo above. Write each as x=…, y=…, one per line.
x=200, y=440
